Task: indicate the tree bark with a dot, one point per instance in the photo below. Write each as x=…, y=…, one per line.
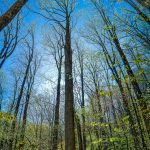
x=28, y=95
x=81, y=59
x=83, y=105
x=56, y=122
x=69, y=100
x=79, y=133
x=8, y=16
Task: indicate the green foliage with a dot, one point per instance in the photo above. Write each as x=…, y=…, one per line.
x=104, y=93
x=107, y=27
x=98, y=141
x=6, y=117
x=98, y=124
x=114, y=139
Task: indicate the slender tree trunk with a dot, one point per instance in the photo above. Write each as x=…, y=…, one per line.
x=92, y=147
x=79, y=133
x=96, y=130
x=61, y=136
x=56, y=122
x=40, y=134
x=1, y=96
x=28, y=94
x=24, y=121
x=83, y=104
x=6, y=18
x=17, y=129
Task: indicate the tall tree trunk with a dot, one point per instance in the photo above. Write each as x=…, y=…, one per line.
x=69, y=100
x=79, y=133
x=40, y=134
x=82, y=101
x=96, y=130
x=28, y=94
x=56, y=122
x=8, y=16
x=83, y=108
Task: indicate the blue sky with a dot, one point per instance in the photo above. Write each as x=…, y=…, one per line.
x=84, y=9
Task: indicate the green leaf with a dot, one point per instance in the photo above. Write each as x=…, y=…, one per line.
x=98, y=141
x=117, y=130
x=114, y=139
x=6, y=117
